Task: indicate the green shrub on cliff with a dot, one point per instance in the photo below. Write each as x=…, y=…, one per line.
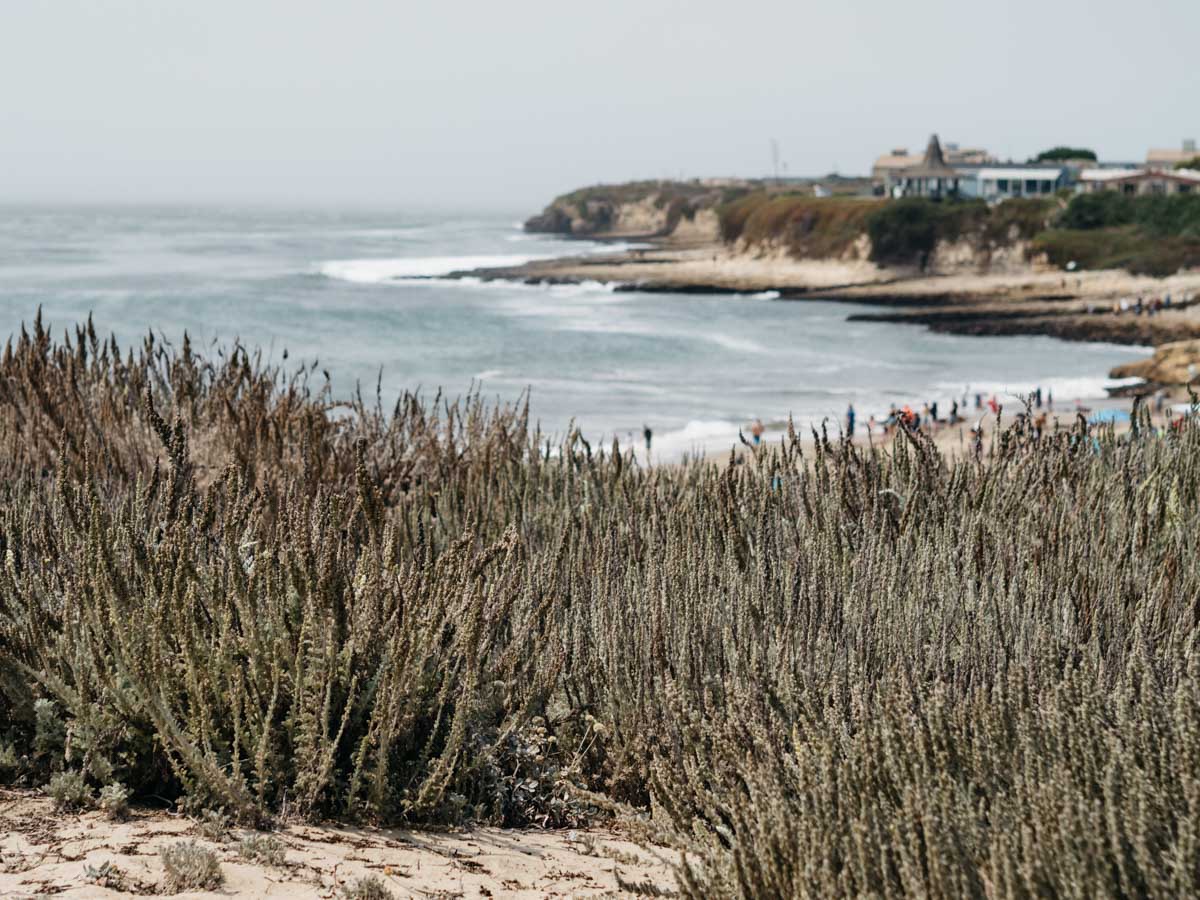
x=1126, y=247
x=905, y=232
x=1174, y=215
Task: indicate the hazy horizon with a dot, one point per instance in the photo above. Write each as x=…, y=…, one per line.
x=492, y=107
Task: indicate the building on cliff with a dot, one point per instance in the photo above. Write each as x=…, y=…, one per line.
x=1136, y=182
x=888, y=169
x=932, y=177
x=1003, y=182
x=1168, y=159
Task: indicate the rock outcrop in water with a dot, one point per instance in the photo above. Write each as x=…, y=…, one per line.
x=1173, y=364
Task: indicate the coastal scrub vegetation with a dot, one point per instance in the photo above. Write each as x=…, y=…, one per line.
x=804, y=225
x=1153, y=235
x=828, y=671
x=902, y=232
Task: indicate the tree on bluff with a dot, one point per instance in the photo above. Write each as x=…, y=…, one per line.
x=1061, y=154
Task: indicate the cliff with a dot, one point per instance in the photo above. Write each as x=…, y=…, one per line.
x=681, y=211
x=1177, y=363
x=907, y=234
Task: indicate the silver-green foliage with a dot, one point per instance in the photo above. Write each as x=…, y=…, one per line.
x=833, y=672
x=187, y=866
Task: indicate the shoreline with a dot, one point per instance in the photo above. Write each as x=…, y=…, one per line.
x=1076, y=306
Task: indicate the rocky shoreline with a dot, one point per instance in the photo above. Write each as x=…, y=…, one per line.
x=1082, y=306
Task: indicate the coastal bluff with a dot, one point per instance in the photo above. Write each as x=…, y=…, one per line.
x=1062, y=265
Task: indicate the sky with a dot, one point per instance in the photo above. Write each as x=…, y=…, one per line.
x=502, y=105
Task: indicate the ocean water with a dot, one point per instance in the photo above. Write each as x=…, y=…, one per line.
x=364, y=293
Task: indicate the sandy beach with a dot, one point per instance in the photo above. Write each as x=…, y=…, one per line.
x=43, y=852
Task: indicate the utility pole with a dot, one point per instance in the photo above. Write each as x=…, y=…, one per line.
x=775, y=159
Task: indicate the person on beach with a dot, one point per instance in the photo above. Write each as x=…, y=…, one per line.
x=1037, y=398
x=850, y=420
x=756, y=431
x=648, y=435
x=953, y=412
x=1049, y=399
x=994, y=405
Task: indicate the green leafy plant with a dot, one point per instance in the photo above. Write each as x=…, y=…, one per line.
x=114, y=801
x=262, y=848
x=70, y=791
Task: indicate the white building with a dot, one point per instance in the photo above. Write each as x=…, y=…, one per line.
x=997, y=183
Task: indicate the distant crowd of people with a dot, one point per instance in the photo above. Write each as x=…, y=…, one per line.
x=928, y=419
x=1139, y=305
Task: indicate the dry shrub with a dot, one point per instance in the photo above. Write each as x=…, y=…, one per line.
x=824, y=672
x=189, y=867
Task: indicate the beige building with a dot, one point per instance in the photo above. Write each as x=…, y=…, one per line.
x=1168, y=159
x=888, y=168
x=1136, y=182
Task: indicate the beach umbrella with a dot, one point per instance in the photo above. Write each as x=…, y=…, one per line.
x=1107, y=416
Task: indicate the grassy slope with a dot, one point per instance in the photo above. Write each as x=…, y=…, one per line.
x=901, y=231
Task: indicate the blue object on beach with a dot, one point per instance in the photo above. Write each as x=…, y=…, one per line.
x=1105, y=416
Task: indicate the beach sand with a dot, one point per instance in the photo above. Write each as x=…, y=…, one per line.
x=43, y=852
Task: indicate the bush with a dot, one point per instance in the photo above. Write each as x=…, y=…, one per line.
x=263, y=848
x=1127, y=248
x=189, y=867
x=114, y=801
x=1168, y=216
x=369, y=888
x=905, y=232
x=70, y=791
x=829, y=671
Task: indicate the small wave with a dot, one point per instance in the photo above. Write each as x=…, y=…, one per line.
x=766, y=295
x=1064, y=389
x=738, y=345
x=698, y=434
x=382, y=271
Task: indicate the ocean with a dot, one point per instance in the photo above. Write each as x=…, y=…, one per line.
x=364, y=294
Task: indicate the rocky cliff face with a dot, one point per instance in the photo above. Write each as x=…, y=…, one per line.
x=1176, y=363
x=682, y=211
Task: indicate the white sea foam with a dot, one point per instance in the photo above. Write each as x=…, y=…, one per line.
x=382, y=271
x=1062, y=388
x=698, y=434
x=766, y=295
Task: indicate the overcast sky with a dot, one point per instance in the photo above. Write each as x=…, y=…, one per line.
x=484, y=103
